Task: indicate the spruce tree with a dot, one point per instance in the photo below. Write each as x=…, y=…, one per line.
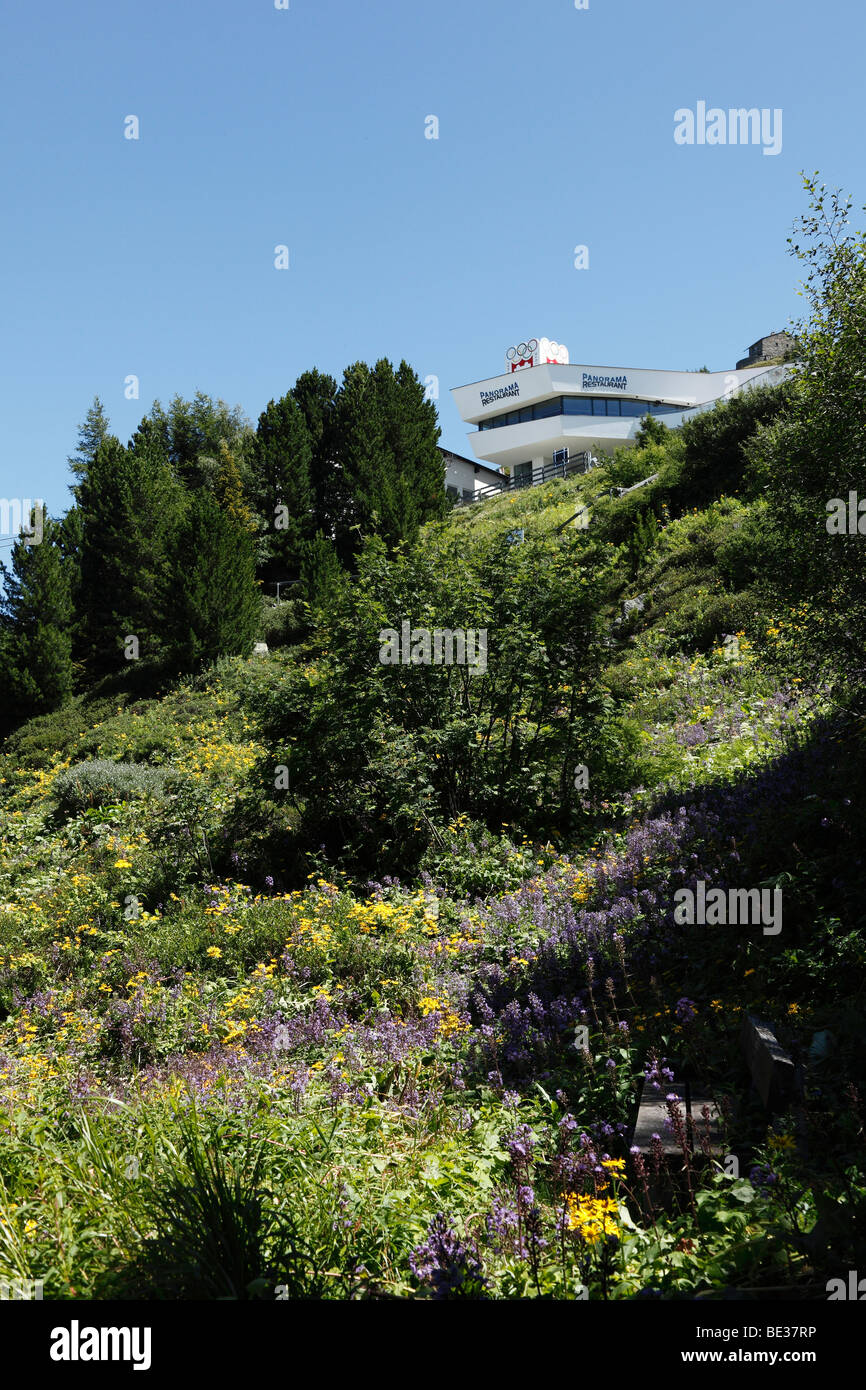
x=211, y=605
x=363, y=459
x=129, y=505
x=36, y=668
x=91, y=433
x=388, y=446
x=316, y=394
x=281, y=482
x=321, y=571
x=229, y=489
x=192, y=433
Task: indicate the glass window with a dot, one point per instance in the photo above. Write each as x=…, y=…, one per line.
x=599, y=406
x=635, y=409
x=524, y=415
x=577, y=405
x=545, y=409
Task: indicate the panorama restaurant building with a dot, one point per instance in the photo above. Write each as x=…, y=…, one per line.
x=544, y=410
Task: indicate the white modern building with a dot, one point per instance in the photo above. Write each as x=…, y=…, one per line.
x=464, y=477
x=543, y=410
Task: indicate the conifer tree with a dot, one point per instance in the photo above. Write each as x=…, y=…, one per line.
x=192, y=432
x=229, y=489
x=211, y=605
x=316, y=394
x=388, y=446
x=91, y=433
x=282, y=489
x=129, y=504
x=321, y=571
x=36, y=668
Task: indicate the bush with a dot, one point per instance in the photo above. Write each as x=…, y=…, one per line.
x=714, y=461
x=38, y=742
x=282, y=624
x=102, y=782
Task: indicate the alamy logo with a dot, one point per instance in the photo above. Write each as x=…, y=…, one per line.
x=734, y=907
x=420, y=646
x=846, y=520
x=854, y=1291
x=737, y=126
x=20, y=516
x=21, y=1290
x=76, y=1343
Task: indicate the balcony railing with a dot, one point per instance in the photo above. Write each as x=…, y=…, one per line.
x=577, y=463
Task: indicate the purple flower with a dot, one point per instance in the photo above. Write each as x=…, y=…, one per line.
x=763, y=1178
x=447, y=1267
x=686, y=1010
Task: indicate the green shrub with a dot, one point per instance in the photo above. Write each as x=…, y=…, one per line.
x=102, y=782
x=38, y=742
x=714, y=461
x=282, y=624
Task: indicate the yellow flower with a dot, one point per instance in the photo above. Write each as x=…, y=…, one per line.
x=593, y=1217
x=122, y=864
x=214, y=951
x=780, y=1142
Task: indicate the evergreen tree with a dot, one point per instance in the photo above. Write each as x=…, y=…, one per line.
x=321, y=571
x=211, y=603
x=192, y=433
x=363, y=459
x=36, y=669
x=129, y=504
x=282, y=489
x=388, y=446
x=229, y=490
x=643, y=540
x=91, y=433
x=316, y=394
x=651, y=430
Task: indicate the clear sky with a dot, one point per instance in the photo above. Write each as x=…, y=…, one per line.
x=305, y=127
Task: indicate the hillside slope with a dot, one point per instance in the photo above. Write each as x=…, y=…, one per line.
x=321, y=973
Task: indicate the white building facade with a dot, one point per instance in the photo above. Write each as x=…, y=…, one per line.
x=544, y=409
x=464, y=477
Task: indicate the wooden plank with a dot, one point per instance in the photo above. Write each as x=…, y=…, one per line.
x=771, y=1068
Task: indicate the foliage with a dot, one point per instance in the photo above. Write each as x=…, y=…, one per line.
x=128, y=504
x=714, y=461
x=814, y=453
x=36, y=669
x=380, y=753
x=103, y=782
x=209, y=601
x=283, y=491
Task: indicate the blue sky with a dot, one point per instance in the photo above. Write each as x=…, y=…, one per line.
x=306, y=127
